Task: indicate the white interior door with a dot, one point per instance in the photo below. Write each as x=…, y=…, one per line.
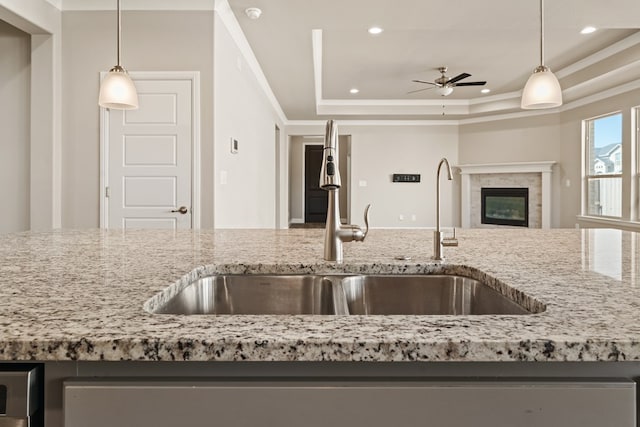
x=150, y=158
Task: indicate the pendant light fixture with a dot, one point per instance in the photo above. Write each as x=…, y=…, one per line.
x=117, y=90
x=542, y=89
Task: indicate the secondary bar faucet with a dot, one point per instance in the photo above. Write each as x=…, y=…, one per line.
x=438, y=240
x=336, y=233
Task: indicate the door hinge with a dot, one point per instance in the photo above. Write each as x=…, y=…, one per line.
x=107, y=192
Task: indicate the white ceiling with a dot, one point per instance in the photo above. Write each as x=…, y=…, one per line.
x=493, y=40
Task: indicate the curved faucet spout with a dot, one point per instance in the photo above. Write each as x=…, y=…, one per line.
x=445, y=161
x=437, y=236
x=449, y=177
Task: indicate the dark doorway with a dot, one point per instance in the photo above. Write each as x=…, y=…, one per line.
x=315, y=198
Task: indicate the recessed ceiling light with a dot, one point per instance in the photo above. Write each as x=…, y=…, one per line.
x=375, y=30
x=354, y=90
x=485, y=90
x=587, y=30
x=253, y=12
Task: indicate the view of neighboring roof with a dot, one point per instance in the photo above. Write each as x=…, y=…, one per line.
x=606, y=150
x=603, y=155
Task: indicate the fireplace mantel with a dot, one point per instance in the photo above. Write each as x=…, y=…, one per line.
x=544, y=168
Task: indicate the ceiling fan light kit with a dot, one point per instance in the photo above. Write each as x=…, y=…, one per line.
x=444, y=90
x=117, y=90
x=542, y=90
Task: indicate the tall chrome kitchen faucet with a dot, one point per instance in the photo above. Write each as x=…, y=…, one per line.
x=438, y=240
x=336, y=233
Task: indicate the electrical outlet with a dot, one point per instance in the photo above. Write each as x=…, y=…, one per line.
x=401, y=217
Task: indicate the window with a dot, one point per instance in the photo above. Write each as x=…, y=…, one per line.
x=603, y=156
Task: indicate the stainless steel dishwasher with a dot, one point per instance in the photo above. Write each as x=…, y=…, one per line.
x=21, y=395
x=360, y=402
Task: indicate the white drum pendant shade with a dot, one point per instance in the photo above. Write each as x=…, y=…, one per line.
x=541, y=91
x=118, y=91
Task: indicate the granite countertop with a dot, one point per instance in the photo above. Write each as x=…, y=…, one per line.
x=79, y=295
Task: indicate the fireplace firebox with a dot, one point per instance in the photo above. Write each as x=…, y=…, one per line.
x=505, y=206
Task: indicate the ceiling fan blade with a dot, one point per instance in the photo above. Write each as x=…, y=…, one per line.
x=471, y=84
x=422, y=81
x=458, y=78
x=419, y=90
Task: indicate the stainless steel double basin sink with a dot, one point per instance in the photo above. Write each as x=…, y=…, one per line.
x=281, y=294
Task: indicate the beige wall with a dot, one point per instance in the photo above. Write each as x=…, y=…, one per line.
x=152, y=41
x=550, y=137
x=377, y=152
x=15, y=70
x=242, y=112
x=535, y=138
x=380, y=151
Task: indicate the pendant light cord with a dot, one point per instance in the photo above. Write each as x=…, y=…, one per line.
x=119, y=26
x=541, y=32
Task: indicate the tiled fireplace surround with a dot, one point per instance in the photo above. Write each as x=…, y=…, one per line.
x=534, y=175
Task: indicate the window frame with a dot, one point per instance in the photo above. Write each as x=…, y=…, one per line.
x=588, y=177
x=635, y=164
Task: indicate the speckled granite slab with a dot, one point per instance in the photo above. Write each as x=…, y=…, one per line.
x=79, y=295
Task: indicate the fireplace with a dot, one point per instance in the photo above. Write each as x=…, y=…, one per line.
x=505, y=206
x=536, y=176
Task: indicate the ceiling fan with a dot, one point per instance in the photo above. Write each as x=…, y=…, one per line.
x=444, y=85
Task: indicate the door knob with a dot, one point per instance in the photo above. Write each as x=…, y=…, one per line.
x=182, y=209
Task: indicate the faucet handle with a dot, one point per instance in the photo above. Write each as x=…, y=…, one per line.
x=356, y=233
x=366, y=220
x=450, y=241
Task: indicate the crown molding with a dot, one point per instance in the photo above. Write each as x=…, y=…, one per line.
x=614, y=91
x=32, y=17
x=508, y=116
x=375, y=122
x=605, y=53
x=392, y=107
x=171, y=5
x=55, y=3
x=618, y=90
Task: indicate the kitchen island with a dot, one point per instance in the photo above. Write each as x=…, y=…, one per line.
x=76, y=297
